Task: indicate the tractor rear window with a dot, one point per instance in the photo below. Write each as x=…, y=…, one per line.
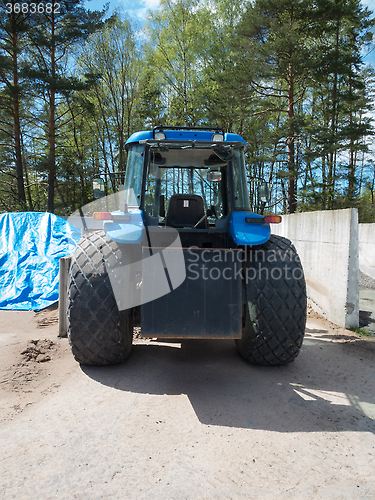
x=194, y=172
x=185, y=171
x=241, y=194
x=133, y=175
x=166, y=182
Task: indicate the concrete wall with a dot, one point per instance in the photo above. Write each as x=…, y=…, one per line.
x=366, y=240
x=327, y=243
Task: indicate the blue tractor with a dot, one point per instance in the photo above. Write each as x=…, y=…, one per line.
x=184, y=257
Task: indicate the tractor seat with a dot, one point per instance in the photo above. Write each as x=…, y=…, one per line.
x=185, y=210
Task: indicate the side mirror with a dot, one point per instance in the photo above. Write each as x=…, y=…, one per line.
x=98, y=188
x=214, y=176
x=264, y=192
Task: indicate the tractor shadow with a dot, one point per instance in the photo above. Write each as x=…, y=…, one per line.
x=329, y=387
x=367, y=309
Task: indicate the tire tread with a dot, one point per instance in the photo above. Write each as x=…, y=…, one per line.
x=98, y=333
x=276, y=310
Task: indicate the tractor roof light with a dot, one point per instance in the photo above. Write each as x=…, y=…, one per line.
x=159, y=135
x=217, y=137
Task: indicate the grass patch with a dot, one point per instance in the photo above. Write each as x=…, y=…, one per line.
x=362, y=332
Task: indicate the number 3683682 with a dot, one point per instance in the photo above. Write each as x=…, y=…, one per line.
x=33, y=8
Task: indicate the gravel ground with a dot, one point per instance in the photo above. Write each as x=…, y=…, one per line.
x=366, y=281
x=367, y=303
x=185, y=421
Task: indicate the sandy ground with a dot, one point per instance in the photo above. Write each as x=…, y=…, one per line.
x=367, y=309
x=184, y=421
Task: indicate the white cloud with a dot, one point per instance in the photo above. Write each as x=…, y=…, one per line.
x=138, y=10
x=152, y=4
x=369, y=3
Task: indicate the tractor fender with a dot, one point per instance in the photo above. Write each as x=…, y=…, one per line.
x=248, y=228
x=130, y=231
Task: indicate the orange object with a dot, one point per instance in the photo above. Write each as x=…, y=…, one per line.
x=102, y=215
x=273, y=219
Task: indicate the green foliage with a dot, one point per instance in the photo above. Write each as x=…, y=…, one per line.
x=288, y=75
x=362, y=332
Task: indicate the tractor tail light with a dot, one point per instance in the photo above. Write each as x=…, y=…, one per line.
x=273, y=219
x=102, y=215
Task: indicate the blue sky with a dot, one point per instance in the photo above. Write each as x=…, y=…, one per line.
x=136, y=9
x=370, y=58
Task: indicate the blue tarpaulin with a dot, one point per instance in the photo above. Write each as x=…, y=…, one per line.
x=31, y=245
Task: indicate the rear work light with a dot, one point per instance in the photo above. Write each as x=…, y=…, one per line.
x=273, y=219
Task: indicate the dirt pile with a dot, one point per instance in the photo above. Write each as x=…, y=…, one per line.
x=29, y=367
x=38, y=351
x=34, y=371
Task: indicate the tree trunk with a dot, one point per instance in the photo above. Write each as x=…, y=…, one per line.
x=16, y=118
x=352, y=162
x=24, y=162
x=351, y=176
x=324, y=183
x=52, y=154
x=52, y=125
x=292, y=195
x=334, y=123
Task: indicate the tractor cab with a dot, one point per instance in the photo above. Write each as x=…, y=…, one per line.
x=192, y=174
x=193, y=180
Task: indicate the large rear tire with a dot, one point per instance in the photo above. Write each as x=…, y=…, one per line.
x=98, y=333
x=274, y=317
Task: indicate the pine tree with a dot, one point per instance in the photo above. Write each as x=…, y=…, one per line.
x=13, y=26
x=277, y=43
x=53, y=36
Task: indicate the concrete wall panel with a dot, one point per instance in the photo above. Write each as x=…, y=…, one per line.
x=366, y=239
x=327, y=243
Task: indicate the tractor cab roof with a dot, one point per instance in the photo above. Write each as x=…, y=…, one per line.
x=209, y=134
